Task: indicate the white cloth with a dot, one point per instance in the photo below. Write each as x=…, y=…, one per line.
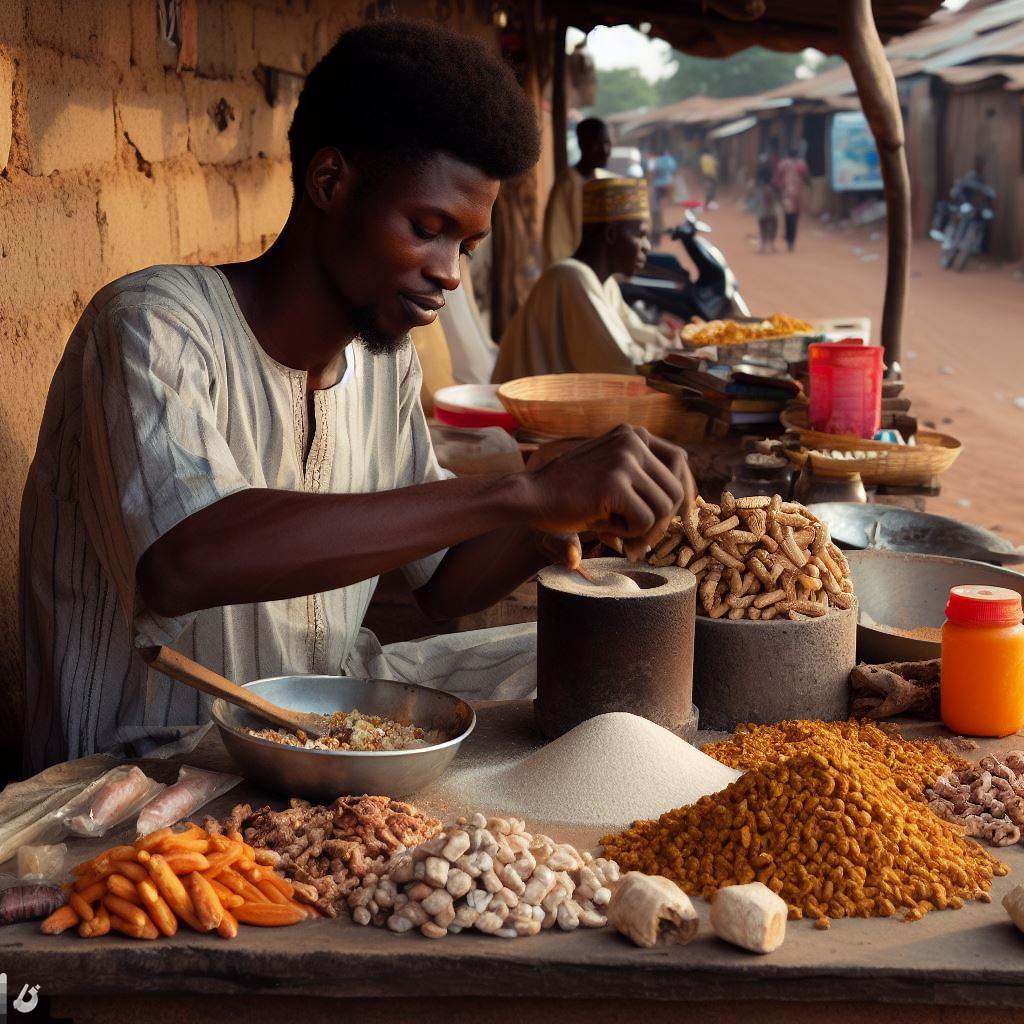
x=164, y=403
x=572, y=323
x=563, y=215
x=471, y=348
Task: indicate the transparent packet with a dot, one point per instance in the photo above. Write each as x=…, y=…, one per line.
x=194, y=788
x=108, y=801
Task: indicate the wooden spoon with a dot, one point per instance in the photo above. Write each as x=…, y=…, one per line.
x=191, y=673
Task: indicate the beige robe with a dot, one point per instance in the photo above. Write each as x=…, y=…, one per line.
x=563, y=215
x=572, y=323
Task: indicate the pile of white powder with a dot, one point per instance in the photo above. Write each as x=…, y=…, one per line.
x=610, y=771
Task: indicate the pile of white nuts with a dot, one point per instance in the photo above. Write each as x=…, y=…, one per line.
x=490, y=875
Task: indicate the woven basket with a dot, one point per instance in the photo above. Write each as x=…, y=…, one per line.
x=589, y=404
x=899, y=464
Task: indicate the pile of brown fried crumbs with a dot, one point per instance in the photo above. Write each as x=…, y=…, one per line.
x=327, y=850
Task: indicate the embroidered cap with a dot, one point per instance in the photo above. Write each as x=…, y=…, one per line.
x=611, y=199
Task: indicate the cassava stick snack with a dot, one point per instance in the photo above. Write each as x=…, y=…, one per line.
x=757, y=558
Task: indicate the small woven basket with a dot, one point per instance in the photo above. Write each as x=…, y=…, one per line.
x=898, y=464
x=590, y=404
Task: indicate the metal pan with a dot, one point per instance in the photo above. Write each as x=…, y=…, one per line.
x=327, y=774
x=891, y=528
x=908, y=591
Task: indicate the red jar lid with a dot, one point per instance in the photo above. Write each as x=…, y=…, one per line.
x=976, y=605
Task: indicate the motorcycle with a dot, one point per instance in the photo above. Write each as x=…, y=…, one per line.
x=961, y=224
x=665, y=287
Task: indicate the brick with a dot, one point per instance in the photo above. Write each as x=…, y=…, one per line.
x=219, y=119
x=6, y=109
x=142, y=19
x=270, y=122
x=283, y=40
x=115, y=33
x=70, y=26
x=238, y=37
x=69, y=114
x=206, y=214
x=211, y=60
x=49, y=248
x=12, y=21
x=264, y=191
x=153, y=114
x=135, y=222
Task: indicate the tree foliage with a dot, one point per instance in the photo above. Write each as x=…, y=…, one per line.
x=622, y=89
x=746, y=73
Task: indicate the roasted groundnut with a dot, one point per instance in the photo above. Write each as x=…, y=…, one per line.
x=777, y=553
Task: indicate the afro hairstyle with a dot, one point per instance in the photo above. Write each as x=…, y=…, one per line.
x=401, y=90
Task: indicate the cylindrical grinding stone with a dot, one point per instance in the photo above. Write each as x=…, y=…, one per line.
x=602, y=649
x=753, y=671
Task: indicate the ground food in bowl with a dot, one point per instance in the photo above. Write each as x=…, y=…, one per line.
x=352, y=730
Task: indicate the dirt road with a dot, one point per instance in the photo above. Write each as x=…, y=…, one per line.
x=963, y=344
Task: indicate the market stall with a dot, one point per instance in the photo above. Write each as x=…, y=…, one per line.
x=968, y=959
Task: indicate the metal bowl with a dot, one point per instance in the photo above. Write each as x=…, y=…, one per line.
x=910, y=590
x=327, y=774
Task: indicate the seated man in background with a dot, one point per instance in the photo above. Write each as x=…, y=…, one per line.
x=575, y=319
x=562, y=216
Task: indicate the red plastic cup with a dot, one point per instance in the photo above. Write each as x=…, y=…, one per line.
x=846, y=387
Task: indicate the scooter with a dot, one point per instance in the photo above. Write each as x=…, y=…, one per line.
x=664, y=286
x=962, y=222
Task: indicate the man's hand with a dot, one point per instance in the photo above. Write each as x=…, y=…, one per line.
x=625, y=484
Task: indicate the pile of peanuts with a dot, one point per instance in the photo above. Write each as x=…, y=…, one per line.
x=830, y=838
x=490, y=875
x=988, y=800
x=758, y=558
x=211, y=883
x=878, y=749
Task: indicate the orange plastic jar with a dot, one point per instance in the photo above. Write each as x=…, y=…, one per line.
x=982, y=692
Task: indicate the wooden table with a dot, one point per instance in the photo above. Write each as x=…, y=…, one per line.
x=951, y=966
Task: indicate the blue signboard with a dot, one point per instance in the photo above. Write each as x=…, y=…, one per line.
x=854, y=159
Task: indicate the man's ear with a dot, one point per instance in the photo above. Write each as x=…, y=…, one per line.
x=611, y=234
x=329, y=177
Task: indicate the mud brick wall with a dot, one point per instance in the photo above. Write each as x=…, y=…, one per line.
x=114, y=158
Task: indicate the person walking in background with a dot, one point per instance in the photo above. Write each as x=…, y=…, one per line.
x=663, y=171
x=765, y=205
x=791, y=177
x=709, y=172
x=563, y=218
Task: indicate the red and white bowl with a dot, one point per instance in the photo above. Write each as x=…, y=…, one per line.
x=472, y=405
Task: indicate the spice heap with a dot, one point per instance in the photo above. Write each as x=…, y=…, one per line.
x=352, y=730
x=878, y=750
x=210, y=883
x=490, y=875
x=828, y=834
x=730, y=332
x=988, y=800
x=327, y=850
x=758, y=558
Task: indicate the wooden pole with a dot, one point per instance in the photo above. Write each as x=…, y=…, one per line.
x=559, y=100
x=879, y=98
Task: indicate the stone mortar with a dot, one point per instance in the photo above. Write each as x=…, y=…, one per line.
x=599, y=652
x=746, y=671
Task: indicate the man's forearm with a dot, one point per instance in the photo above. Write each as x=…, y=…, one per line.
x=264, y=545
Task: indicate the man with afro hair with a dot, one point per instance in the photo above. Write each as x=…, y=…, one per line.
x=230, y=456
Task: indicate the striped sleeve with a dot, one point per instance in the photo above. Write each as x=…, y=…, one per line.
x=152, y=454
x=417, y=461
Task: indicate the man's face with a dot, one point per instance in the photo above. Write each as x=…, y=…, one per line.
x=596, y=148
x=630, y=246
x=390, y=239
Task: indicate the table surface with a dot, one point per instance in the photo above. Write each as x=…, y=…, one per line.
x=970, y=957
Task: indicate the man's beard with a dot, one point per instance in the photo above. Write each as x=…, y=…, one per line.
x=371, y=337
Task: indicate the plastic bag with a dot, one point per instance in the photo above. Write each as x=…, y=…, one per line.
x=111, y=799
x=194, y=788
x=42, y=863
